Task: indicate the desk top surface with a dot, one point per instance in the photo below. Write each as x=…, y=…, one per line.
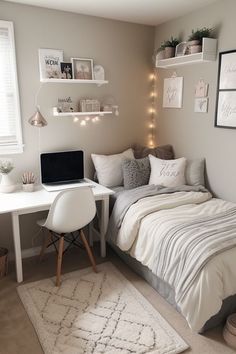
x=40, y=199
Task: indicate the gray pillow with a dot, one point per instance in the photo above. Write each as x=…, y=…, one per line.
x=194, y=172
x=136, y=173
x=164, y=152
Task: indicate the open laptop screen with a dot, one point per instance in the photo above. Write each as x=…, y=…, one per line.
x=66, y=166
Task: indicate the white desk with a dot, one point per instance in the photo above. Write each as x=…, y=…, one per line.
x=19, y=203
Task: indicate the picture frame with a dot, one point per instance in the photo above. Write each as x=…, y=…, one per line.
x=66, y=70
x=173, y=92
x=49, y=63
x=225, y=113
x=201, y=105
x=82, y=68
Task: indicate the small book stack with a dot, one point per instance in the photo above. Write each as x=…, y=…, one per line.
x=229, y=332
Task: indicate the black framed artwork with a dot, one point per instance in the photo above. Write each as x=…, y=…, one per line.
x=225, y=116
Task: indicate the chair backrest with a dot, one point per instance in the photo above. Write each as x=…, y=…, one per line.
x=71, y=210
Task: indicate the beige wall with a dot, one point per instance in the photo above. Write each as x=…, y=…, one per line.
x=193, y=134
x=125, y=52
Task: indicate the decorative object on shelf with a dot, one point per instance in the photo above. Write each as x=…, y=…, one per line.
x=65, y=105
x=89, y=105
x=201, y=105
x=201, y=89
x=226, y=91
x=49, y=63
x=28, y=180
x=66, y=70
x=196, y=38
x=170, y=47
x=109, y=104
x=173, y=92
x=181, y=49
x=82, y=68
x=98, y=72
x=6, y=185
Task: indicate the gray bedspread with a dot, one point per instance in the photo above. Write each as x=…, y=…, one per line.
x=127, y=198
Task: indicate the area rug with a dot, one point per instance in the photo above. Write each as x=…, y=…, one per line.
x=97, y=313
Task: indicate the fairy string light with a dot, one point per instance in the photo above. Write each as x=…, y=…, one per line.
x=152, y=111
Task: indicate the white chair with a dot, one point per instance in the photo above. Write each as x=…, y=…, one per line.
x=71, y=210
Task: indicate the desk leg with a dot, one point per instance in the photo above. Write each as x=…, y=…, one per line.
x=17, y=246
x=104, y=224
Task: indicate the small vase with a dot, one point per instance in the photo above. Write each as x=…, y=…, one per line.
x=169, y=52
x=195, y=49
x=6, y=185
x=29, y=187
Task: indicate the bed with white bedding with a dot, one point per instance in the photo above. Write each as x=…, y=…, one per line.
x=184, y=237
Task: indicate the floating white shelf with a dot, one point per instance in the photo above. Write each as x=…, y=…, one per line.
x=74, y=81
x=208, y=54
x=77, y=114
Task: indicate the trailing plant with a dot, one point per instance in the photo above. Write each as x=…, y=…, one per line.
x=172, y=42
x=199, y=34
x=6, y=166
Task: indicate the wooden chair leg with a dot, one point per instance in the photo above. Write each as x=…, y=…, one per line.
x=47, y=240
x=59, y=260
x=88, y=249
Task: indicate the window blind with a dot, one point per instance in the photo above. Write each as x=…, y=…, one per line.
x=10, y=119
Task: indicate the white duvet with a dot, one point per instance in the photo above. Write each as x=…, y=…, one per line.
x=138, y=233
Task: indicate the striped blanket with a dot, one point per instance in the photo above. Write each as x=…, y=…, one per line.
x=184, y=249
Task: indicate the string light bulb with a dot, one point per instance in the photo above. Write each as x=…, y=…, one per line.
x=83, y=123
x=75, y=119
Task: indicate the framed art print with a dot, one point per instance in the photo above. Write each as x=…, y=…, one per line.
x=225, y=116
x=49, y=63
x=173, y=92
x=82, y=68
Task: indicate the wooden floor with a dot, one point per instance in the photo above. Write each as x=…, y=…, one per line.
x=17, y=335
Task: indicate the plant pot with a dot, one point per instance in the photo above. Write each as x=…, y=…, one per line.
x=6, y=185
x=195, y=49
x=169, y=52
x=194, y=42
x=29, y=187
x=160, y=55
x=3, y=261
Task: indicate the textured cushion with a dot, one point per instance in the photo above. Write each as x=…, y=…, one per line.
x=136, y=172
x=168, y=173
x=195, y=172
x=164, y=152
x=109, y=167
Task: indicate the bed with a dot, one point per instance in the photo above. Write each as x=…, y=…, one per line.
x=168, y=227
x=211, y=296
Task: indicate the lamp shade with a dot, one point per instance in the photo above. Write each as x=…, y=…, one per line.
x=37, y=120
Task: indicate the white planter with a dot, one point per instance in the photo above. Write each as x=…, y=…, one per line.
x=6, y=185
x=28, y=187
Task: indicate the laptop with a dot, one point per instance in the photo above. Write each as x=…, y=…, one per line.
x=62, y=170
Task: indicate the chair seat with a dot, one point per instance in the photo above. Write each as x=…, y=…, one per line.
x=41, y=222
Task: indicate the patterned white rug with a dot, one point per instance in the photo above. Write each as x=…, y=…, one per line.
x=97, y=313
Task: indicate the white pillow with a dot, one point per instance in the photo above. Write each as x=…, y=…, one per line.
x=109, y=167
x=168, y=173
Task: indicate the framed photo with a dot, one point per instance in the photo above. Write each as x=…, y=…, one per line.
x=173, y=92
x=82, y=68
x=201, y=105
x=225, y=116
x=49, y=63
x=66, y=71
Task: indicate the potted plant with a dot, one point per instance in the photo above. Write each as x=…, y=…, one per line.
x=170, y=47
x=28, y=180
x=160, y=53
x=6, y=185
x=196, y=37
